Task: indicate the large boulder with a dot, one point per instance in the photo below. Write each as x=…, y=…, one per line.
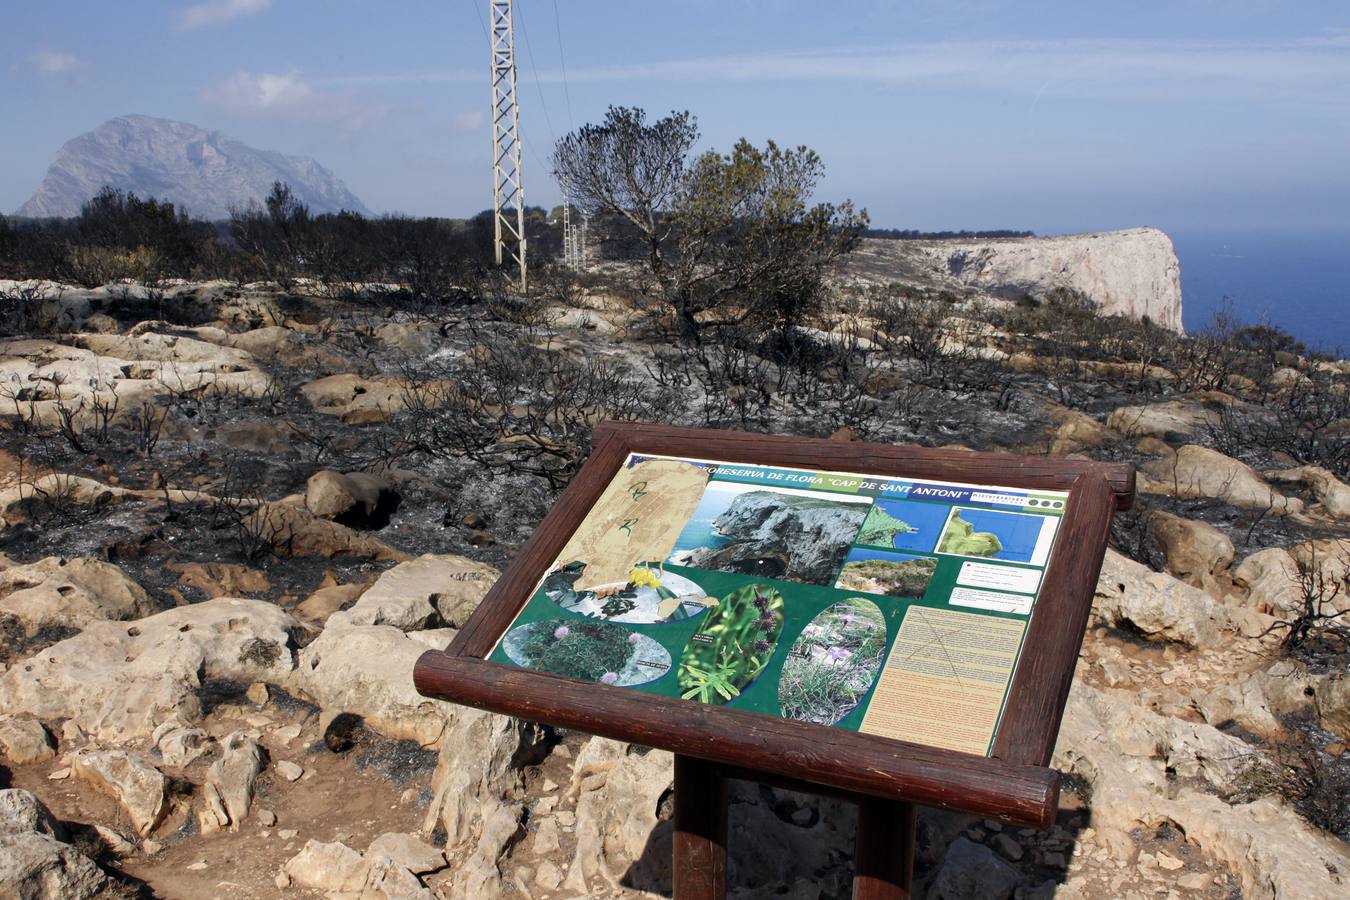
x=1330, y=491
x=35, y=864
x=230, y=782
x=1124, y=752
x=971, y=871
x=354, y=499
x=1161, y=420
x=117, y=681
x=1332, y=697
x=1196, y=471
x=140, y=788
x=1272, y=580
x=427, y=592
x=367, y=671
x=1155, y=604
x=24, y=740
x=1196, y=551
x=295, y=531
x=60, y=592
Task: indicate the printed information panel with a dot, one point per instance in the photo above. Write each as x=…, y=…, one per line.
x=888, y=606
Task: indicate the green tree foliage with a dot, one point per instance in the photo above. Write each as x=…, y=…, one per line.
x=730, y=239
x=630, y=169
x=750, y=246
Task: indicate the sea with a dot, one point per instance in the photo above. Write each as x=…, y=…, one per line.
x=1298, y=280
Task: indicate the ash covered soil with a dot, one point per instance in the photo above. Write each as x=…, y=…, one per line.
x=233, y=517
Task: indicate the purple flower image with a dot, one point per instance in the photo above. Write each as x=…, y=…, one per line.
x=833, y=663
x=609, y=677
x=561, y=632
x=634, y=638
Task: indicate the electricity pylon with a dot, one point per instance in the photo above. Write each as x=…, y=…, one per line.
x=507, y=191
x=574, y=236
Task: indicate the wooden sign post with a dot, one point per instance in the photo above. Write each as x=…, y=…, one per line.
x=893, y=626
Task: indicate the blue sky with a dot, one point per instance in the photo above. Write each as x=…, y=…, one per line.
x=1053, y=116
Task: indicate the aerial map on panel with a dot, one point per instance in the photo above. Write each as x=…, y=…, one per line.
x=881, y=605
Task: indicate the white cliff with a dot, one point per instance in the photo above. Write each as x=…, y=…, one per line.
x=1132, y=273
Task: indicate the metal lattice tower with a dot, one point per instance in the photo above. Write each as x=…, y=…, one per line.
x=574, y=236
x=569, y=239
x=508, y=193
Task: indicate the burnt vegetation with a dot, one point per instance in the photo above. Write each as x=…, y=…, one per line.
x=720, y=298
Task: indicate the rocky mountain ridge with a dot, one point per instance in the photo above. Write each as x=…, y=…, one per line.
x=202, y=172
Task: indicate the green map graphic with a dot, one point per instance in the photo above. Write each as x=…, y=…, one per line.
x=961, y=537
x=880, y=528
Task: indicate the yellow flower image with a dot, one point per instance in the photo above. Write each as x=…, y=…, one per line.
x=641, y=576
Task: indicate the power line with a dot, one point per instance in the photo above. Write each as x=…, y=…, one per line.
x=529, y=52
x=562, y=61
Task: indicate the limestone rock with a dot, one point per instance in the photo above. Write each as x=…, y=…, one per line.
x=221, y=579
x=328, y=867
x=289, y=770
x=1271, y=577
x=408, y=851
x=480, y=876
x=1330, y=491
x=117, y=681
x=1271, y=851
x=38, y=867
x=70, y=592
x=1198, y=471
x=356, y=400
x=367, y=670
x=1333, y=704
x=1129, y=273
x=180, y=746
x=432, y=590
x=298, y=532
x=1196, y=551
x=321, y=604
x=230, y=781
x=618, y=794
x=355, y=499
x=1155, y=604
x=24, y=740
x=139, y=787
x=1174, y=417
x=477, y=771
x=389, y=880
x=1244, y=702
x=344, y=872
x=971, y=871
x=21, y=811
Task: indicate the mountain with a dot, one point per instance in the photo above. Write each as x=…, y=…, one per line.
x=202, y=172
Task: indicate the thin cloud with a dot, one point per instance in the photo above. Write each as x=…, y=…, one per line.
x=289, y=95
x=1313, y=69
x=48, y=64
x=218, y=12
x=468, y=121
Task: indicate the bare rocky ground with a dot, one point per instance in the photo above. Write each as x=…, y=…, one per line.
x=233, y=517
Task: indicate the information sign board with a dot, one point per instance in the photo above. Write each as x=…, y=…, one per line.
x=893, y=622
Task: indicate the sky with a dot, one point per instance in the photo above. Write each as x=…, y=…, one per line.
x=932, y=114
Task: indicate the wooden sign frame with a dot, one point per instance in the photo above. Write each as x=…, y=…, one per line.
x=712, y=743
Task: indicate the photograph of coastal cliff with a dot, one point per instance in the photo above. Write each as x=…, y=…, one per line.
x=891, y=574
x=779, y=533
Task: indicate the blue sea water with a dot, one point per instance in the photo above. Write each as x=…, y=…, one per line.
x=926, y=519
x=1298, y=280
